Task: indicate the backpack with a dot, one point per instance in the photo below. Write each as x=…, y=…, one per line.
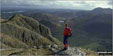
x=69, y=32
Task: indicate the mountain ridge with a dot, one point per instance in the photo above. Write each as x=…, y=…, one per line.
x=19, y=27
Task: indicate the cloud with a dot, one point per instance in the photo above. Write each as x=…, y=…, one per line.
x=64, y=4
x=110, y=2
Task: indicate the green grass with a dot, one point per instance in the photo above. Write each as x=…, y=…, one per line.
x=26, y=52
x=12, y=42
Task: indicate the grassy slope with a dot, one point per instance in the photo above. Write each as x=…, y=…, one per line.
x=21, y=32
x=24, y=52
x=12, y=42
x=36, y=39
x=33, y=25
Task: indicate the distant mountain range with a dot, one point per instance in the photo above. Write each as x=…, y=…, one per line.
x=103, y=10
x=93, y=29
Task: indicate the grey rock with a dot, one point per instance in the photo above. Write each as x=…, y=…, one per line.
x=71, y=51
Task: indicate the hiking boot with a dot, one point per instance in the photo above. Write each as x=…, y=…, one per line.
x=65, y=49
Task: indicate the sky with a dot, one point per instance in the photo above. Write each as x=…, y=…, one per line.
x=58, y=4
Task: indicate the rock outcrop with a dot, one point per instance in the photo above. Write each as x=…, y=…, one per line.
x=25, y=32
x=75, y=51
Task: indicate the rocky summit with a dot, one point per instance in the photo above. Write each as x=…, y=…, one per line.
x=25, y=32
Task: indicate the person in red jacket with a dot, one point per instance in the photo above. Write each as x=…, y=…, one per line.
x=67, y=33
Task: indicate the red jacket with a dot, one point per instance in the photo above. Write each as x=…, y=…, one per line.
x=67, y=31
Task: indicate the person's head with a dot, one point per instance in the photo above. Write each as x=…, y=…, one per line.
x=66, y=25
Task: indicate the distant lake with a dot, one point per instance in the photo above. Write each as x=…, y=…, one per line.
x=61, y=21
x=13, y=12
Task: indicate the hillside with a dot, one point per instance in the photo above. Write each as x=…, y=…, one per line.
x=47, y=19
x=92, y=30
x=25, y=32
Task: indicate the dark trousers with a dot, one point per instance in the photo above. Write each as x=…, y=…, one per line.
x=66, y=41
